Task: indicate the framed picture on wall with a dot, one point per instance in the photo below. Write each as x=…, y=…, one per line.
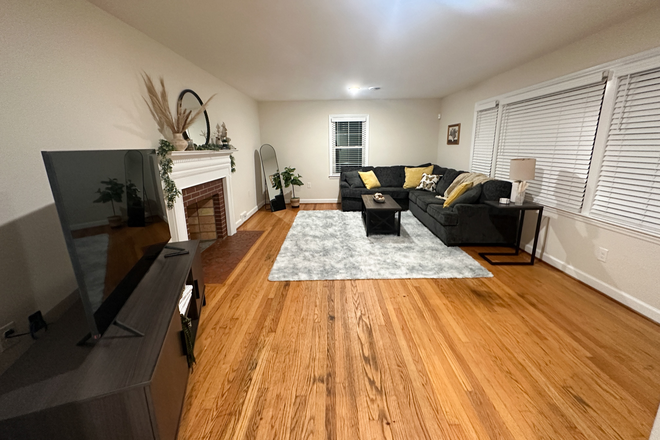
x=453, y=134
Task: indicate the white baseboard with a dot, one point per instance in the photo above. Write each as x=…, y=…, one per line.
x=616, y=294
x=250, y=213
x=319, y=200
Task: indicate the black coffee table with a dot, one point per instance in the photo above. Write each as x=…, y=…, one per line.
x=381, y=218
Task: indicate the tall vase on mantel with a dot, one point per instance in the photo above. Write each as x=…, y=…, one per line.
x=179, y=143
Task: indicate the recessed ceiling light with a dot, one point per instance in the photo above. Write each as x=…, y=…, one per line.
x=354, y=89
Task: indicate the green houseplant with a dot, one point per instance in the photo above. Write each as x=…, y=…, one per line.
x=112, y=193
x=291, y=179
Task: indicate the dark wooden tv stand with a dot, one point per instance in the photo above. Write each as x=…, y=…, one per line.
x=123, y=386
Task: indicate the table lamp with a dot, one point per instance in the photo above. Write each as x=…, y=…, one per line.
x=520, y=171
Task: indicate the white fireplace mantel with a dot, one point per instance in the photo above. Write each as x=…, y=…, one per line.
x=190, y=168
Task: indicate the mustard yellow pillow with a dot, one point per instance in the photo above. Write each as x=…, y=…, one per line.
x=370, y=180
x=456, y=193
x=414, y=176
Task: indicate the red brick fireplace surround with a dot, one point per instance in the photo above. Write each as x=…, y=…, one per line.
x=199, y=174
x=209, y=190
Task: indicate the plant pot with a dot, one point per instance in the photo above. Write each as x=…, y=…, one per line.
x=179, y=142
x=115, y=221
x=295, y=202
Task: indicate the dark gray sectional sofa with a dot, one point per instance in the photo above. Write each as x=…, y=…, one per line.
x=468, y=221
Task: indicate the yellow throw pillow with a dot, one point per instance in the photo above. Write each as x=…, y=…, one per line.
x=414, y=176
x=456, y=193
x=370, y=180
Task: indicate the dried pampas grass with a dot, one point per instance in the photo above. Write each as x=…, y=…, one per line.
x=159, y=108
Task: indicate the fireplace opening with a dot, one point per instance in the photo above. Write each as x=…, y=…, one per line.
x=206, y=218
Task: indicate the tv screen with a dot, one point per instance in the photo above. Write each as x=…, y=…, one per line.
x=114, y=221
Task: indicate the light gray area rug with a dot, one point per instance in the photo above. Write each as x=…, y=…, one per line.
x=93, y=257
x=333, y=245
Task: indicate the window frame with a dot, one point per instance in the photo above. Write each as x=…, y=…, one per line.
x=364, y=118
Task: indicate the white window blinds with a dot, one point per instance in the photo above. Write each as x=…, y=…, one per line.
x=348, y=140
x=558, y=130
x=484, y=141
x=628, y=190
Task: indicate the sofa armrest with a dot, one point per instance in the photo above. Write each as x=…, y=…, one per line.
x=344, y=184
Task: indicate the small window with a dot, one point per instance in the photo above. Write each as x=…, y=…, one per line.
x=348, y=142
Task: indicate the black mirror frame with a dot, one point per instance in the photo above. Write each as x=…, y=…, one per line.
x=206, y=115
x=277, y=203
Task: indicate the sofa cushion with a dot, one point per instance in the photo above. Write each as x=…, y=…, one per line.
x=353, y=179
x=494, y=190
x=370, y=180
x=391, y=176
x=445, y=216
x=457, y=192
x=395, y=193
x=468, y=197
x=438, y=170
x=447, y=178
x=415, y=193
x=426, y=199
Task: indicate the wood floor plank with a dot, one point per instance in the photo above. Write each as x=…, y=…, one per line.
x=527, y=354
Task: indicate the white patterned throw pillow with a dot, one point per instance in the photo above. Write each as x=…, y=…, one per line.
x=428, y=182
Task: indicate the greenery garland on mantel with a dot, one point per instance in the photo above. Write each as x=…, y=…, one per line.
x=170, y=190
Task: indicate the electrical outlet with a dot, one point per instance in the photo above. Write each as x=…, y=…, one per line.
x=309, y=185
x=243, y=215
x=4, y=342
x=602, y=254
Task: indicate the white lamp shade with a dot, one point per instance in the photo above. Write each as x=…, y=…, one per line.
x=522, y=169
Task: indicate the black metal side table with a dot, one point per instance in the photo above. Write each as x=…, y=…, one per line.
x=526, y=206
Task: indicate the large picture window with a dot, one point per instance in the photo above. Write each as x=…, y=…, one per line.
x=348, y=141
x=558, y=130
x=595, y=136
x=628, y=190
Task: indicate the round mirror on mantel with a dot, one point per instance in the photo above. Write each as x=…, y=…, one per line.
x=198, y=132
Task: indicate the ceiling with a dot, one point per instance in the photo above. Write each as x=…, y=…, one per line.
x=314, y=50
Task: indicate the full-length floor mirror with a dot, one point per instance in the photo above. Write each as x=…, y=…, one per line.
x=272, y=177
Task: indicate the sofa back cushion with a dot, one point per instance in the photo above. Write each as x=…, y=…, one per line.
x=468, y=197
x=447, y=178
x=494, y=190
x=438, y=170
x=393, y=176
x=350, y=175
x=353, y=179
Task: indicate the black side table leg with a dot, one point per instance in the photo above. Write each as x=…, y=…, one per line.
x=536, y=234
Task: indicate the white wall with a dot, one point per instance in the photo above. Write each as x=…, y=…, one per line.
x=630, y=273
x=70, y=79
x=401, y=132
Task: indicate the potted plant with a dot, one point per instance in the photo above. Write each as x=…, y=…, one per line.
x=112, y=193
x=292, y=180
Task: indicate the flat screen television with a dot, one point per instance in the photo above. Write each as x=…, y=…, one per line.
x=114, y=220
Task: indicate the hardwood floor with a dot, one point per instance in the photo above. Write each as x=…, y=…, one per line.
x=528, y=354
